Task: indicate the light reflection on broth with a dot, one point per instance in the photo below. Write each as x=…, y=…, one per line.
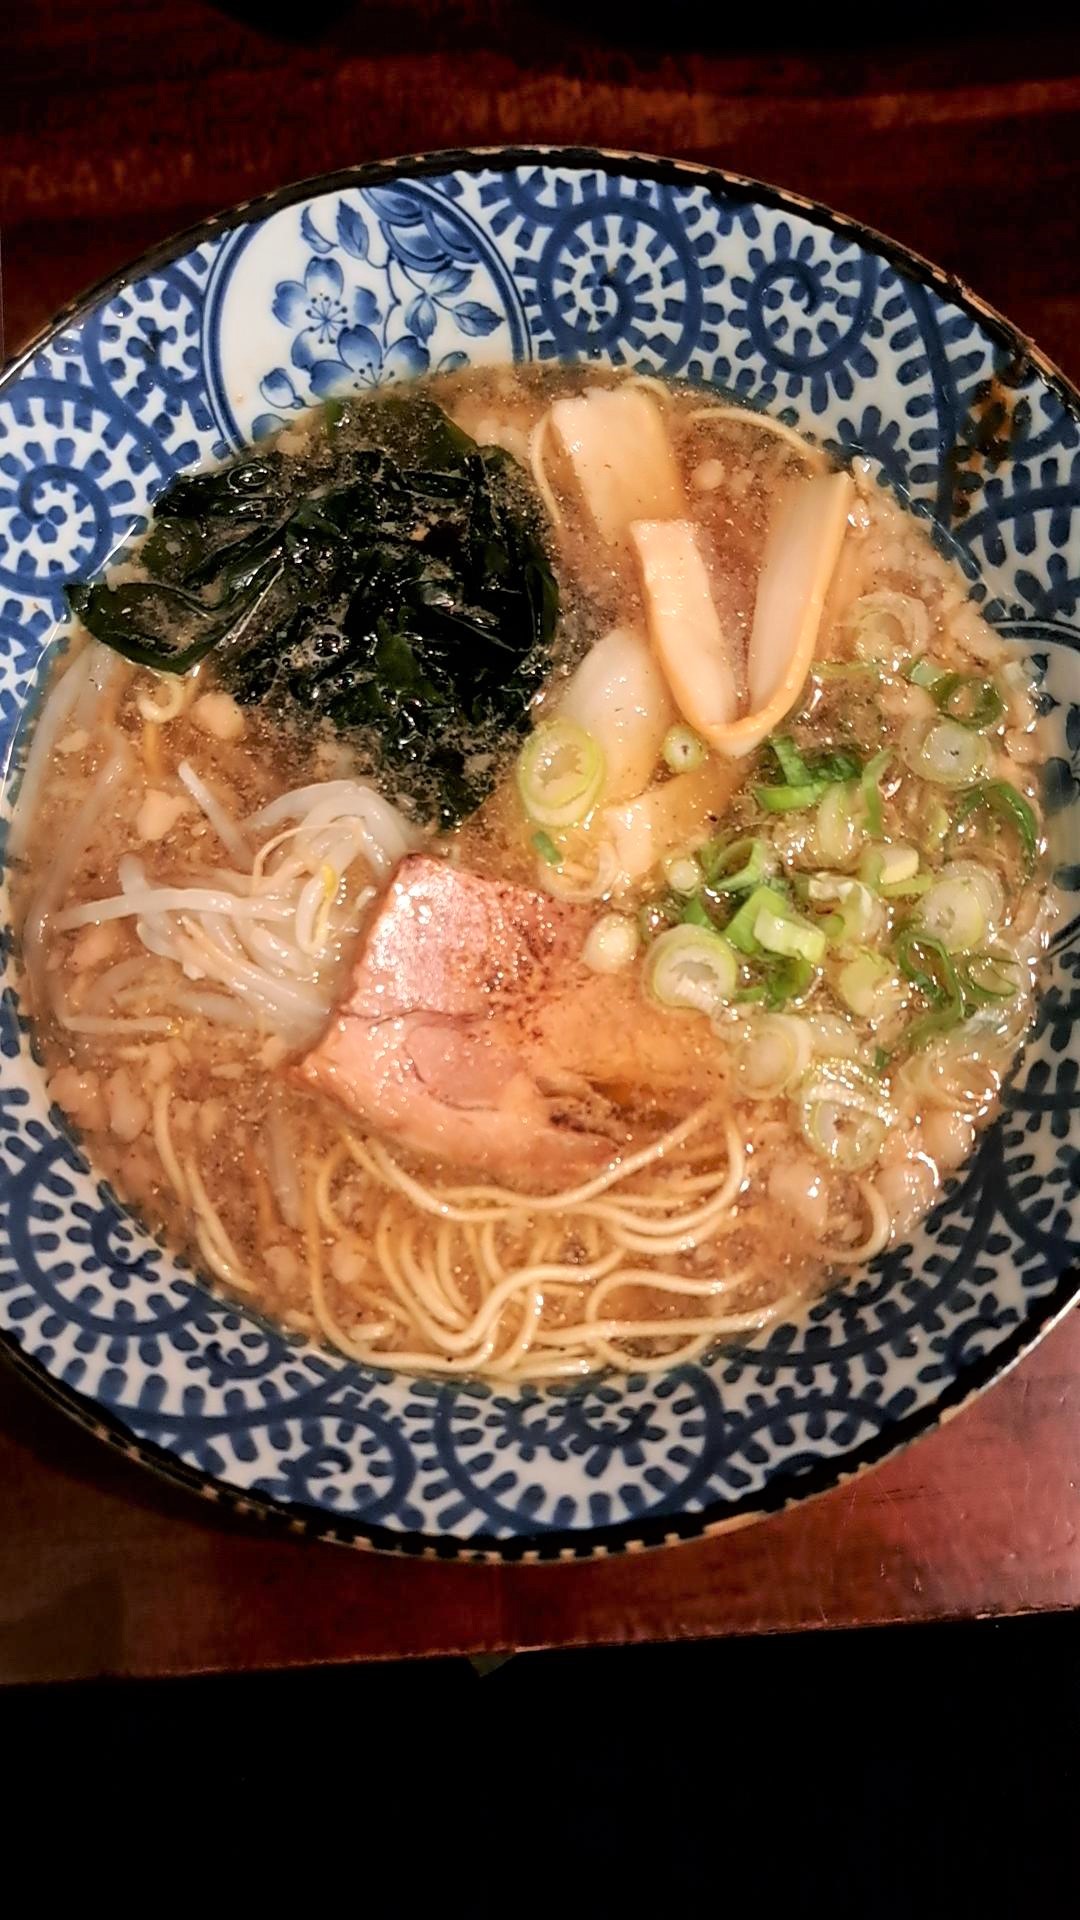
x=669, y=1022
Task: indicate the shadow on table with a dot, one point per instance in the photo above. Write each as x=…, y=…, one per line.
x=878, y=1774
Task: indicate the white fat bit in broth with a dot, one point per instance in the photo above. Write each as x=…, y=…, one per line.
x=586, y=1039
x=158, y=814
x=218, y=715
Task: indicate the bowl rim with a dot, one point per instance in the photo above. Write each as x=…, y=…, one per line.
x=786, y=1488
x=635, y=163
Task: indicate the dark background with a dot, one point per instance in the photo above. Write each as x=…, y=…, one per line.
x=904, y=1770
x=912, y=1773
x=123, y=120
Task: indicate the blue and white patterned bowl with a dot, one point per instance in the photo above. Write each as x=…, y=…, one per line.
x=384, y=273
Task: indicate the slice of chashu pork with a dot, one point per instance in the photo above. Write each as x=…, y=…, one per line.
x=473, y=1032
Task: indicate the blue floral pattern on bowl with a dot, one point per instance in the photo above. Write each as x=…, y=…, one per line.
x=347, y=339
x=383, y=274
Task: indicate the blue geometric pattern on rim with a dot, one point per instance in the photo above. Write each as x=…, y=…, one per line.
x=384, y=275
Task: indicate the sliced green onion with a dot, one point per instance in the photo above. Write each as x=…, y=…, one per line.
x=773, y=1054
x=983, y=881
x=836, y=766
x=777, y=933
x=933, y=1026
x=683, y=750
x=868, y=985
x=1007, y=805
x=790, y=760
x=785, y=978
x=804, y=782
x=696, y=914
x=912, y=889
x=888, y=626
x=779, y=980
x=945, y=752
x=954, y=993
x=889, y=866
x=893, y=871
x=843, y=1115
x=734, y=868
x=546, y=848
x=740, y=928
x=955, y=1074
x=971, y=702
x=995, y=975
x=560, y=772
x=861, y=916
x=788, y=799
x=926, y=963
x=691, y=968
x=837, y=832
x=935, y=824
x=870, y=791
x=612, y=943
x=682, y=873
x=820, y=887
x=847, y=1135
x=925, y=673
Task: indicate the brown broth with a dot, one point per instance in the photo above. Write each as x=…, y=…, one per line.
x=230, y=1092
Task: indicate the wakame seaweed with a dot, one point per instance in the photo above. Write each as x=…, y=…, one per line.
x=394, y=585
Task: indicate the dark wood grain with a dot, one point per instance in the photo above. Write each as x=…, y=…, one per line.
x=106, y=1570
x=126, y=120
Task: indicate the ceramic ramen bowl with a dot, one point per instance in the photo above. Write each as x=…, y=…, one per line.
x=384, y=273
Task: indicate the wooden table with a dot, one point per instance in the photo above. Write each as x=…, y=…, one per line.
x=127, y=119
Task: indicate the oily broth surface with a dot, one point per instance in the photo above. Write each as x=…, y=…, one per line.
x=223, y=1081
